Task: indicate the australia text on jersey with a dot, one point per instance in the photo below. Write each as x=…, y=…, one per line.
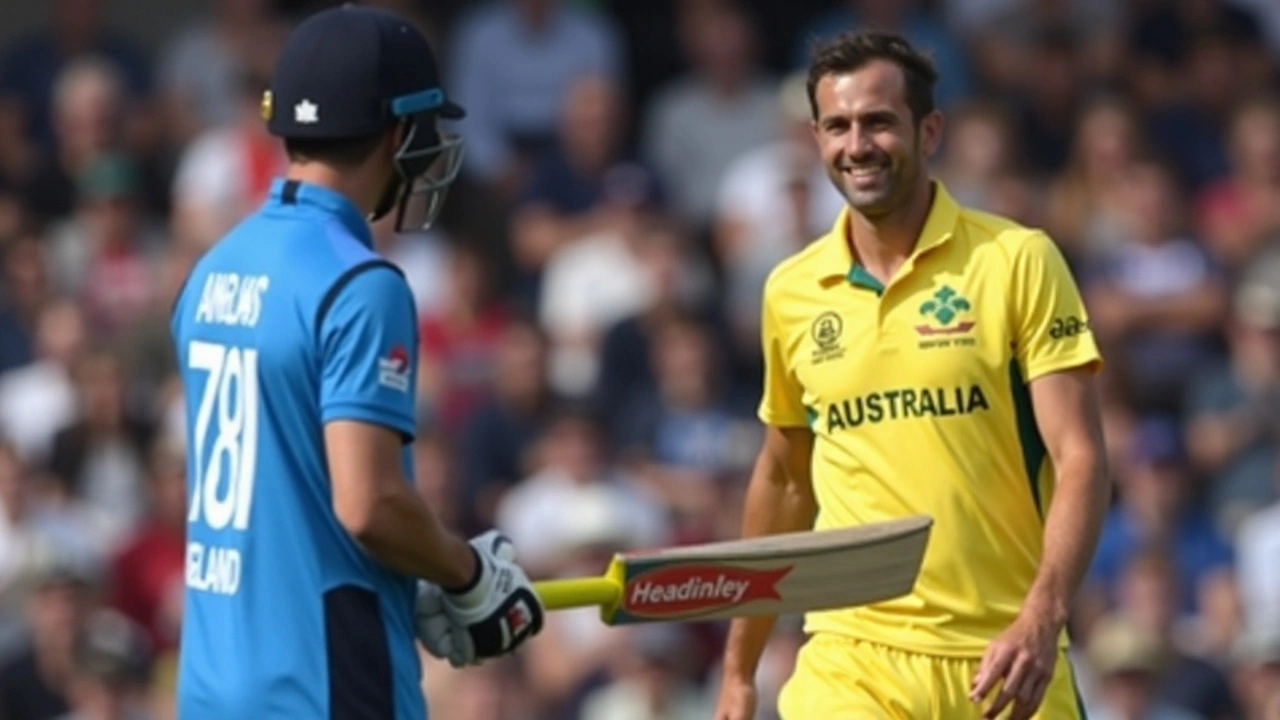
x=226, y=433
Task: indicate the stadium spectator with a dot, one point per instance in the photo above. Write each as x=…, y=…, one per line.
x=1258, y=573
x=108, y=254
x=203, y=66
x=1128, y=662
x=31, y=69
x=100, y=459
x=1257, y=673
x=226, y=170
x=110, y=671
x=572, y=467
x=566, y=197
x=696, y=125
x=1157, y=509
x=773, y=199
x=1240, y=213
x=497, y=447
x=34, y=683
x=1232, y=410
x=1084, y=208
x=88, y=120
x=24, y=290
x=147, y=572
x=1156, y=299
x=460, y=342
x=649, y=680
x=45, y=383
x=908, y=17
x=1148, y=595
x=598, y=280
x=681, y=288
x=512, y=64
x=688, y=436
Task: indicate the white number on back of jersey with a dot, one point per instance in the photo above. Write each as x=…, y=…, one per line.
x=228, y=403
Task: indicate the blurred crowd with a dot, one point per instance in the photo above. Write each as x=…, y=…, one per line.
x=589, y=315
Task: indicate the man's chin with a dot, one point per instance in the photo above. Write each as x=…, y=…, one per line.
x=871, y=205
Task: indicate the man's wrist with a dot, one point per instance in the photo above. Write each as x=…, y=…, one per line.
x=477, y=570
x=1046, y=608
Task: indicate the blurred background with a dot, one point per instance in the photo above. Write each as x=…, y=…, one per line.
x=589, y=303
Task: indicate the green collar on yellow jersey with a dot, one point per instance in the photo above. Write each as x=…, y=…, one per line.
x=835, y=261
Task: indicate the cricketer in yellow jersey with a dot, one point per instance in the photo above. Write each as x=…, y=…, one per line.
x=923, y=357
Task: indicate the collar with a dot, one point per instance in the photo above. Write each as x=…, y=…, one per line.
x=317, y=197
x=836, y=261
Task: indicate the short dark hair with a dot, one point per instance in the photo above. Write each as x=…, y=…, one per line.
x=851, y=51
x=344, y=152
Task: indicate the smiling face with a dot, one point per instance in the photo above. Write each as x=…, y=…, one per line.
x=874, y=150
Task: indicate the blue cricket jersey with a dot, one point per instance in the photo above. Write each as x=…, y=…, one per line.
x=290, y=321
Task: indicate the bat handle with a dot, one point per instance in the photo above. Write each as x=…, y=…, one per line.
x=577, y=592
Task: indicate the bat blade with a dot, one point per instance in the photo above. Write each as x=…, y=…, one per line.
x=769, y=575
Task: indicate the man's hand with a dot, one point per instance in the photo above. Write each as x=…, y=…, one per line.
x=737, y=700
x=493, y=616
x=1023, y=657
x=434, y=628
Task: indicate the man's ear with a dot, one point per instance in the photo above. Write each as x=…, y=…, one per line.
x=931, y=133
x=395, y=137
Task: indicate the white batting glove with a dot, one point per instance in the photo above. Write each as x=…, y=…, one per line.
x=434, y=628
x=498, y=613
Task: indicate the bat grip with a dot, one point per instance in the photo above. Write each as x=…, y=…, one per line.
x=577, y=592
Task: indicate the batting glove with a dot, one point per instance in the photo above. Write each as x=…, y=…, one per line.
x=434, y=628
x=499, y=612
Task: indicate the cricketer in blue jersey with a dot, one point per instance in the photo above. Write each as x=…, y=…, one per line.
x=312, y=567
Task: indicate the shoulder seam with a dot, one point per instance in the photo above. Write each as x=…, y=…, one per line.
x=346, y=277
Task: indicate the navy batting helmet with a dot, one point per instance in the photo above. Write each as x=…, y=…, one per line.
x=352, y=72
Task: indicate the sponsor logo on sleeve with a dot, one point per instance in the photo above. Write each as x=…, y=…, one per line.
x=1068, y=327
x=393, y=370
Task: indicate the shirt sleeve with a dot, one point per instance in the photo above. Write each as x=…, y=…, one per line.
x=1050, y=322
x=781, y=402
x=369, y=351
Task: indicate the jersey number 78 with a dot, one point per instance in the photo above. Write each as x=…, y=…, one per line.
x=229, y=402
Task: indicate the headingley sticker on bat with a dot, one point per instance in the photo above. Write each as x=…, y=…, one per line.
x=683, y=590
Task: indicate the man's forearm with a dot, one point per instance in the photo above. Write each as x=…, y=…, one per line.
x=1070, y=536
x=405, y=535
x=773, y=505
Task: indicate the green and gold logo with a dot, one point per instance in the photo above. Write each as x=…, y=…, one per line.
x=945, y=324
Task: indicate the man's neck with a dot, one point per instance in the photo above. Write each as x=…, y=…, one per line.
x=351, y=185
x=881, y=245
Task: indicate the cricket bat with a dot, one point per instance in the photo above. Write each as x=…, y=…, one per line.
x=768, y=575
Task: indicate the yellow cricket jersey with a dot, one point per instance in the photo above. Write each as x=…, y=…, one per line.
x=916, y=394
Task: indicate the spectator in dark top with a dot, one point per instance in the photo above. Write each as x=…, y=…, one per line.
x=1192, y=130
x=87, y=116
x=34, y=684
x=102, y=457
x=1054, y=87
x=689, y=436
x=1157, y=508
x=1233, y=409
x=564, y=199
x=495, y=445
x=30, y=70
x=111, y=671
x=1147, y=596
x=24, y=287
x=1157, y=300
x=627, y=346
